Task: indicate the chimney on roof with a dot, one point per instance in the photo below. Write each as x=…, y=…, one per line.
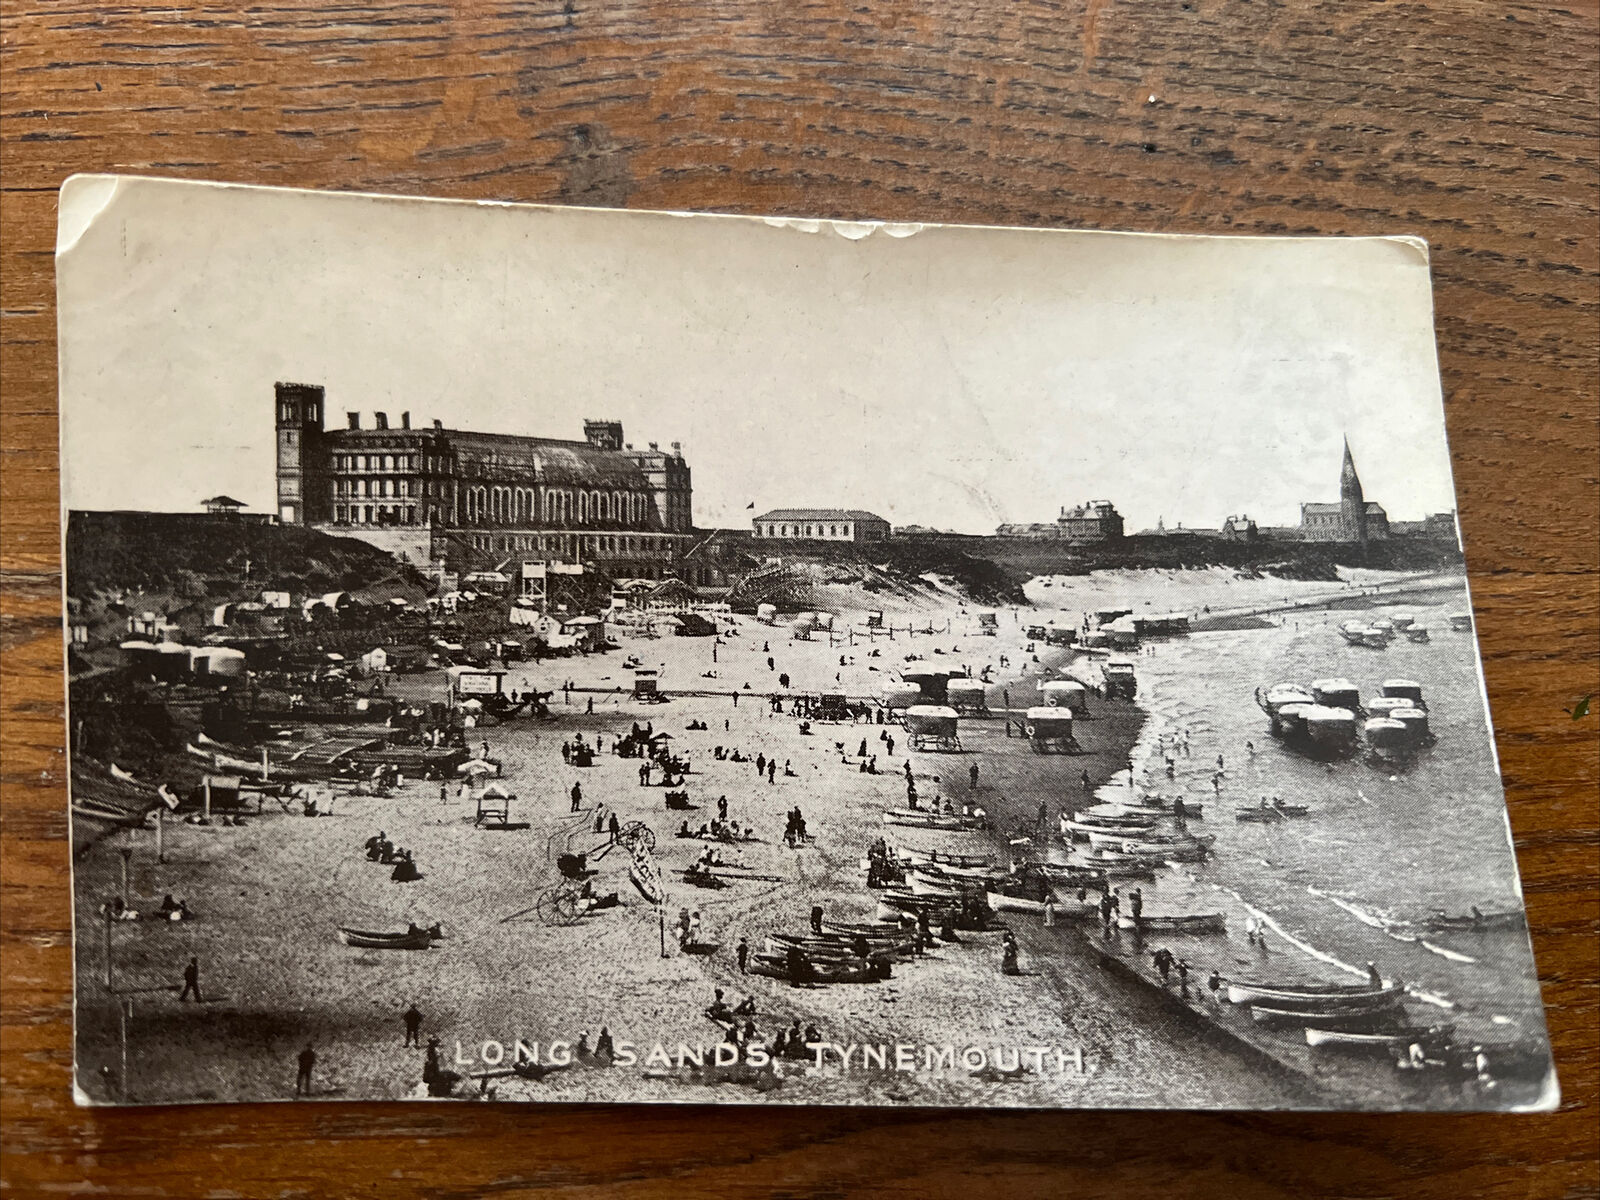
x=405, y=420
x=677, y=449
x=437, y=423
x=354, y=418
x=655, y=445
x=380, y=420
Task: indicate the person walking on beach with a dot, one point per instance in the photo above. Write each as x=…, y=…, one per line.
x=889, y=743
x=191, y=981
x=1084, y=780
x=742, y=953
x=1136, y=904
x=816, y=918
x=772, y=770
x=613, y=827
x=761, y=764
x=972, y=777
x=413, y=1020
x=1215, y=984
x=302, y=1079
x=577, y=796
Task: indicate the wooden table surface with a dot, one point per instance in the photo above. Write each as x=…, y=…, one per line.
x=1473, y=124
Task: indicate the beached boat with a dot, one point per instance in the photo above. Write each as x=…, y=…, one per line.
x=837, y=948
x=1175, y=922
x=1475, y=921
x=1311, y=1018
x=777, y=967
x=1001, y=902
x=1403, y=689
x=1461, y=622
x=916, y=819
x=1315, y=995
x=369, y=939
x=1392, y=1041
x=944, y=859
x=1416, y=633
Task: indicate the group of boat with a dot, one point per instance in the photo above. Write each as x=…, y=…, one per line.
x=1377, y=634
x=1367, y=1015
x=1328, y=717
x=1128, y=839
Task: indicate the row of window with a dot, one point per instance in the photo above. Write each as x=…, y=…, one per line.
x=562, y=543
x=557, y=506
x=808, y=531
x=392, y=462
x=376, y=514
x=378, y=487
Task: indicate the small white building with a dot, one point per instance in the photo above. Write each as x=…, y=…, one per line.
x=821, y=525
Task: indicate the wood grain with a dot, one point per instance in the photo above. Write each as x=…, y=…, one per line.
x=1471, y=124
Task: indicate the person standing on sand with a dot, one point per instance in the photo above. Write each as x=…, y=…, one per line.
x=577, y=796
x=302, y=1080
x=191, y=981
x=1084, y=780
x=413, y=1020
x=972, y=777
x=761, y=764
x=772, y=770
x=742, y=953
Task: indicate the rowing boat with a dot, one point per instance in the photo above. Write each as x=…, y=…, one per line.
x=1319, y=1019
x=915, y=819
x=411, y=939
x=1175, y=922
x=1393, y=1041
x=1323, y=995
x=1473, y=922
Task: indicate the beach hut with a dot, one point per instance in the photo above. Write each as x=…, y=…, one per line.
x=1330, y=728
x=967, y=695
x=767, y=614
x=1384, y=733
x=1336, y=693
x=375, y=661
x=1120, y=679
x=802, y=625
x=1049, y=730
x=897, y=697
x=1382, y=706
x=931, y=681
x=1408, y=690
x=1066, y=693
x=824, y=621
x=1290, y=719
x=989, y=623
x=933, y=727
x=217, y=664
x=1414, y=719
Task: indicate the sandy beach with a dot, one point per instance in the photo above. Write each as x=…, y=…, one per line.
x=268, y=895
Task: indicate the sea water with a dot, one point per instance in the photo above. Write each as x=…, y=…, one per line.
x=1385, y=845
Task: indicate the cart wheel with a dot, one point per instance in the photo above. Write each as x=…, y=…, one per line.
x=635, y=835
x=559, y=906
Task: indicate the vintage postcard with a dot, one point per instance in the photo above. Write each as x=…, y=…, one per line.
x=522, y=653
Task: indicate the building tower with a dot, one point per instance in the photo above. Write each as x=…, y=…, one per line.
x=302, y=460
x=1352, y=504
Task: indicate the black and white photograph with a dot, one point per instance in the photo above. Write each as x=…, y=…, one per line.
x=529, y=654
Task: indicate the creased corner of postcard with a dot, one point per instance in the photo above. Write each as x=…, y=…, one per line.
x=83, y=199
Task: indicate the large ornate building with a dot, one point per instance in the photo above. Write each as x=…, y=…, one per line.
x=432, y=494
x=1353, y=519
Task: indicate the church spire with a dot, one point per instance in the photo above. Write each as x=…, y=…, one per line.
x=1349, y=481
x=1352, y=504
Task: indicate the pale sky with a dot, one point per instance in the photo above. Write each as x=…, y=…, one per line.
x=956, y=378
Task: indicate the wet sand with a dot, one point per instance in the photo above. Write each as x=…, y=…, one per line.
x=268, y=895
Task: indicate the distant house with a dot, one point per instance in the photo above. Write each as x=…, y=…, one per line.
x=1096, y=521
x=821, y=525
x=223, y=506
